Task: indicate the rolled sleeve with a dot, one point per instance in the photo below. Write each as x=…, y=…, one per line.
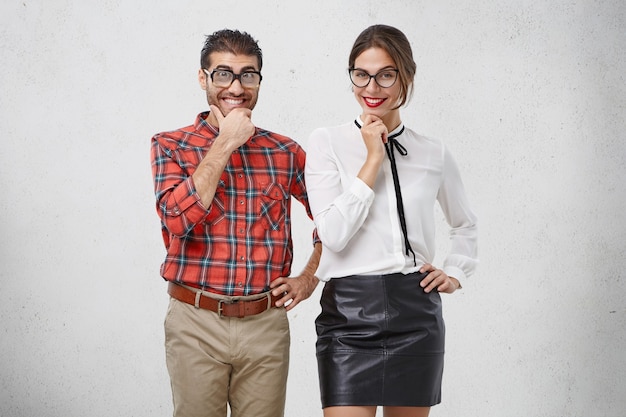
x=181, y=208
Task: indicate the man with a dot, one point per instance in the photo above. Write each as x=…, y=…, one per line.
x=223, y=189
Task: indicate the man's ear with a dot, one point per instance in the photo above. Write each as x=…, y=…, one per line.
x=202, y=79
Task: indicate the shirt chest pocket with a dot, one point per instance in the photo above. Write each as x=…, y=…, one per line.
x=273, y=205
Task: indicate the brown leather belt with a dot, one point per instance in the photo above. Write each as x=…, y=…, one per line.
x=224, y=308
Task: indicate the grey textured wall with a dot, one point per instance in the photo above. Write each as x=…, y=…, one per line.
x=528, y=95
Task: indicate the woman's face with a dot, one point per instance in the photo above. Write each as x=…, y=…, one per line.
x=373, y=98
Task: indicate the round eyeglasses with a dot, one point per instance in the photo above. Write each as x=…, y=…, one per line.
x=224, y=78
x=384, y=78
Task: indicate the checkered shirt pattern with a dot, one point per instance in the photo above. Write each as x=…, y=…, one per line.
x=243, y=241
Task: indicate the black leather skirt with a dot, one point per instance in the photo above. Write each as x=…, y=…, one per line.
x=380, y=341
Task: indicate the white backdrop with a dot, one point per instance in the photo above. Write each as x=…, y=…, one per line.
x=528, y=95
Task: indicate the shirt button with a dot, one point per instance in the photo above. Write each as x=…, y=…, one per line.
x=240, y=175
x=241, y=202
x=240, y=284
x=242, y=258
x=241, y=231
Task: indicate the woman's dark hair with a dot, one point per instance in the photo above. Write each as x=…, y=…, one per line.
x=233, y=41
x=396, y=44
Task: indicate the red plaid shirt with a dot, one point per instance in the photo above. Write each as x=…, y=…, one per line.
x=243, y=240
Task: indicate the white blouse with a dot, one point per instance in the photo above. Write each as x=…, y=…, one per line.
x=359, y=227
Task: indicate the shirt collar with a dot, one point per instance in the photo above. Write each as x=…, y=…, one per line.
x=397, y=131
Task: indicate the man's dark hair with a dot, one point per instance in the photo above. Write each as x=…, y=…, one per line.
x=233, y=41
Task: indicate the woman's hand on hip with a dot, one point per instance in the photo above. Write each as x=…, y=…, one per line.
x=439, y=280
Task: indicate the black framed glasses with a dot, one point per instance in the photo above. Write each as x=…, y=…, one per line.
x=384, y=78
x=224, y=78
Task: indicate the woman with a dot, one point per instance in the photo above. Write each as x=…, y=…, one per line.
x=372, y=186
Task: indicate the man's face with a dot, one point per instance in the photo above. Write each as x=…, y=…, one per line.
x=227, y=98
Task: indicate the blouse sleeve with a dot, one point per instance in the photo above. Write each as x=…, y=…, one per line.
x=462, y=259
x=339, y=209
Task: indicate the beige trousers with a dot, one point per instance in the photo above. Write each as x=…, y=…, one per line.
x=214, y=361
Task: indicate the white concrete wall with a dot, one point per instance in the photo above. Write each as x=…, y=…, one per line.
x=529, y=95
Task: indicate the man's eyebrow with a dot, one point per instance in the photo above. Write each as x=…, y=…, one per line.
x=244, y=69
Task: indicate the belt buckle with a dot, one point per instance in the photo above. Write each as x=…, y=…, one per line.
x=220, y=308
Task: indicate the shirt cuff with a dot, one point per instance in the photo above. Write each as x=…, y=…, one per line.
x=187, y=201
x=362, y=191
x=453, y=271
